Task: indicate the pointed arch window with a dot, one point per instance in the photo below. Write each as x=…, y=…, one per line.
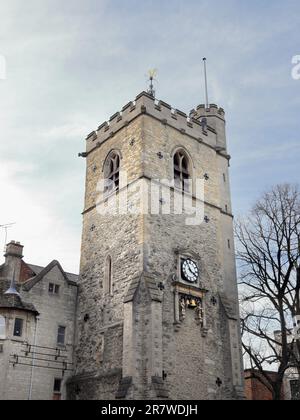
x=112, y=173
x=181, y=170
x=2, y=328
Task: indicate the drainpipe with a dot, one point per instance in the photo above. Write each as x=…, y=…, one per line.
x=33, y=360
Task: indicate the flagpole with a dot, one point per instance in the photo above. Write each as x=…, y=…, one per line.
x=206, y=88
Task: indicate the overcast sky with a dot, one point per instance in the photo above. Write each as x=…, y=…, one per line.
x=71, y=64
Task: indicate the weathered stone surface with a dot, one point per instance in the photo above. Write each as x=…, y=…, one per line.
x=138, y=328
x=41, y=313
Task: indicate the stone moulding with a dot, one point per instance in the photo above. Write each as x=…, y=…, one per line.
x=93, y=376
x=229, y=307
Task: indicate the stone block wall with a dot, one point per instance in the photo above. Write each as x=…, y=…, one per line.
x=152, y=350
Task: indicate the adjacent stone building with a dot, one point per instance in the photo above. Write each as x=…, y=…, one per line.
x=291, y=380
x=158, y=310
x=37, y=328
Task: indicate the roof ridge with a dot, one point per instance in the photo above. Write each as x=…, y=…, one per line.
x=29, y=284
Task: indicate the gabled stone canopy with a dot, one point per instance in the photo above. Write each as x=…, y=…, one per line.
x=151, y=286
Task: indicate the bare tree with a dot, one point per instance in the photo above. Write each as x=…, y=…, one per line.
x=268, y=255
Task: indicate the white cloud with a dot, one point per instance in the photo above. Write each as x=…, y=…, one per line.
x=72, y=64
x=44, y=236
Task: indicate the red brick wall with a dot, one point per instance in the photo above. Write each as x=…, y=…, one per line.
x=26, y=273
x=254, y=389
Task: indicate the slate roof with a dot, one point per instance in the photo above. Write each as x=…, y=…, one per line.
x=13, y=302
x=30, y=275
x=37, y=269
x=34, y=280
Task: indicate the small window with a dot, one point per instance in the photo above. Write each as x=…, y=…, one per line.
x=57, y=389
x=229, y=244
x=61, y=335
x=224, y=177
x=108, y=286
x=2, y=328
x=18, y=327
x=53, y=289
x=226, y=208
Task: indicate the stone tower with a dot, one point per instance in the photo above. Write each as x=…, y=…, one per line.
x=158, y=306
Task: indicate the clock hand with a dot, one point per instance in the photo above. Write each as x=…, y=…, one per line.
x=192, y=269
x=189, y=273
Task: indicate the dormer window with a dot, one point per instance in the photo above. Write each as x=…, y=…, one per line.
x=53, y=289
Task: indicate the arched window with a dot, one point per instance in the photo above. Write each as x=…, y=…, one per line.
x=2, y=328
x=181, y=170
x=108, y=286
x=112, y=172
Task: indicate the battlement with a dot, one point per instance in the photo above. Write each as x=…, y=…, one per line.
x=145, y=104
x=212, y=110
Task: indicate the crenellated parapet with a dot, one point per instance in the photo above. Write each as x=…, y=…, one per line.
x=194, y=125
x=215, y=117
x=213, y=110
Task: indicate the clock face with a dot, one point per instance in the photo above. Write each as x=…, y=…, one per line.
x=189, y=271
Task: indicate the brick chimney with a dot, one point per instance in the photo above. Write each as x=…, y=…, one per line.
x=13, y=259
